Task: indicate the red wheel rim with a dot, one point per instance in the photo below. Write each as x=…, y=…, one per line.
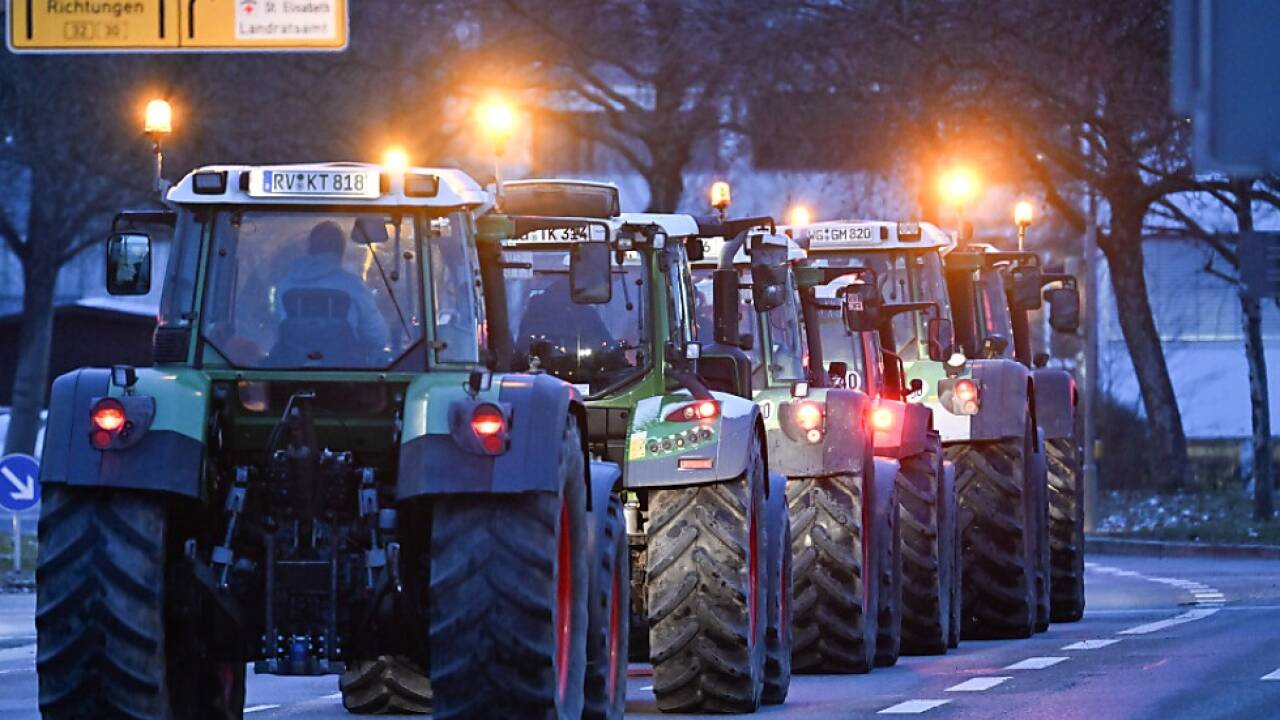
x=615, y=633
x=753, y=574
x=564, y=601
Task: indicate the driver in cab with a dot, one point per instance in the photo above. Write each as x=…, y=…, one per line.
x=321, y=269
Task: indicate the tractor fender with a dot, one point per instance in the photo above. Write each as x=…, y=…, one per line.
x=1003, y=396
x=660, y=452
x=1055, y=403
x=605, y=477
x=847, y=442
x=165, y=454
x=886, y=474
x=433, y=463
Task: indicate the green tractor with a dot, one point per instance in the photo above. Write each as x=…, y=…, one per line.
x=845, y=541
x=983, y=409
x=848, y=313
x=1012, y=284
x=320, y=474
x=604, y=300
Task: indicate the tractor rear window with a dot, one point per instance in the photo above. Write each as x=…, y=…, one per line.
x=310, y=289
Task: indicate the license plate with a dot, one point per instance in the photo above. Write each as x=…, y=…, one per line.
x=315, y=183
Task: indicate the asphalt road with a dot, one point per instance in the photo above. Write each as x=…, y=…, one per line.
x=1162, y=639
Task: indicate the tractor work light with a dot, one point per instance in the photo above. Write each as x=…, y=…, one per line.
x=799, y=217
x=395, y=160
x=209, y=183
x=694, y=412
x=1022, y=213
x=808, y=416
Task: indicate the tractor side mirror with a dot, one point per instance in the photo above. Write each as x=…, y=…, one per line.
x=1026, y=281
x=129, y=264
x=862, y=305
x=768, y=286
x=694, y=249
x=1064, y=309
x=941, y=338
x=724, y=299
x=589, y=281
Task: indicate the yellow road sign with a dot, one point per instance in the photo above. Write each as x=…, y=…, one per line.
x=175, y=25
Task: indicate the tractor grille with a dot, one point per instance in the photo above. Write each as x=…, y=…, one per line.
x=169, y=344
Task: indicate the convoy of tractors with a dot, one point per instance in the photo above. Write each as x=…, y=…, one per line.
x=475, y=451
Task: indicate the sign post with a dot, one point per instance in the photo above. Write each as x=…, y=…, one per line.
x=19, y=491
x=70, y=26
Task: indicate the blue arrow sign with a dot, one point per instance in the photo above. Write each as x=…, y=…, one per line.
x=19, y=482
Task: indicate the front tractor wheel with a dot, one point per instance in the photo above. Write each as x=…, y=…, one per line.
x=509, y=599
x=777, y=634
x=1066, y=529
x=706, y=596
x=927, y=548
x=120, y=632
x=607, y=633
x=836, y=594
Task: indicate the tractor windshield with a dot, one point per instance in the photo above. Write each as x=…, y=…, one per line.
x=596, y=346
x=318, y=289
x=914, y=276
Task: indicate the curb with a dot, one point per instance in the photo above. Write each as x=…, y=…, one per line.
x=1164, y=549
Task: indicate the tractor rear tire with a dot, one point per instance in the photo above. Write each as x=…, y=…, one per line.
x=951, y=498
x=997, y=526
x=926, y=552
x=777, y=634
x=1066, y=530
x=509, y=599
x=387, y=685
x=706, y=597
x=1043, y=559
x=889, y=555
x=836, y=589
x=112, y=633
x=607, y=632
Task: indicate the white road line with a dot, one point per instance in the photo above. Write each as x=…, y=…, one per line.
x=332, y=696
x=647, y=688
x=1186, y=617
x=912, y=707
x=1091, y=644
x=258, y=708
x=978, y=684
x=1035, y=663
x=1272, y=675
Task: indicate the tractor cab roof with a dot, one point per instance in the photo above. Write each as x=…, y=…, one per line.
x=712, y=247
x=846, y=235
x=353, y=184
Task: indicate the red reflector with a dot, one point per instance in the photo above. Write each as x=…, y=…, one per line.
x=882, y=418
x=695, y=463
x=108, y=415
x=101, y=439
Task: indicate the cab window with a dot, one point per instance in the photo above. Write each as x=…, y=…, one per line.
x=455, y=290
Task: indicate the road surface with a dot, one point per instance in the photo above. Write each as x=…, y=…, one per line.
x=1162, y=639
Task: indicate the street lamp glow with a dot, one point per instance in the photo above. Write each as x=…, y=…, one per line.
x=959, y=186
x=1022, y=213
x=799, y=217
x=720, y=195
x=158, y=119
x=396, y=159
x=497, y=120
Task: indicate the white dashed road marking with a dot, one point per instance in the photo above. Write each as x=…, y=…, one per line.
x=912, y=707
x=259, y=708
x=1091, y=644
x=979, y=684
x=1036, y=663
x=1272, y=675
x=1186, y=617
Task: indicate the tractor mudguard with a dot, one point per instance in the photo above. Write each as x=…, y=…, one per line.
x=433, y=463
x=664, y=453
x=844, y=450
x=1055, y=403
x=909, y=431
x=164, y=455
x=1002, y=393
x=882, y=490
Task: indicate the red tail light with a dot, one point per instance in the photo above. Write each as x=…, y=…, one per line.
x=490, y=426
x=882, y=418
x=966, y=390
x=108, y=419
x=695, y=411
